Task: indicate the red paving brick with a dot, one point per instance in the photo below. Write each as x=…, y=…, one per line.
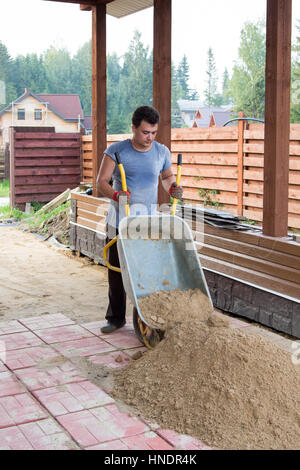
x=9, y=385
x=98, y=425
x=72, y=397
x=46, y=321
x=147, y=441
x=35, y=378
x=112, y=360
x=13, y=439
x=182, y=441
x=10, y=327
x=47, y=435
x=63, y=333
x=123, y=340
x=20, y=358
x=19, y=409
x=40, y=435
x=3, y=368
x=83, y=347
x=18, y=341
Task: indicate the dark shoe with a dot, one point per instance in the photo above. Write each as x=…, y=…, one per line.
x=109, y=327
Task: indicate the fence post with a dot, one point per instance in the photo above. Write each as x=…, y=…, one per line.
x=6, y=162
x=12, y=168
x=241, y=128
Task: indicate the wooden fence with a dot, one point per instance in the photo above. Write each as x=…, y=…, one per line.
x=43, y=165
x=223, y=167
x=4, y=163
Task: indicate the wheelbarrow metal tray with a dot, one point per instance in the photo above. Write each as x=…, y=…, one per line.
x=158, y=253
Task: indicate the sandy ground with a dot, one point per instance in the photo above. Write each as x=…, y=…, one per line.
x=37, y=277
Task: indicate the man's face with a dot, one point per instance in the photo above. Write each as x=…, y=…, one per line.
x=144, y=134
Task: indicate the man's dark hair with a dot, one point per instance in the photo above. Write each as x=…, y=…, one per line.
x=145, y=113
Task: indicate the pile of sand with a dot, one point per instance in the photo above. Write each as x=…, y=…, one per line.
x=163, y=309
x=225, y=387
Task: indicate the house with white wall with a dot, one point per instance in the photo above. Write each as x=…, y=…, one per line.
x=61, y=111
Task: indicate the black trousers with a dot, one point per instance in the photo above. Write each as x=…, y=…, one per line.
x=116, y=310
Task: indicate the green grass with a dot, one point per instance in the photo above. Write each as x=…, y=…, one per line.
x=42, y=217
x=4, y=188
x=7, y=213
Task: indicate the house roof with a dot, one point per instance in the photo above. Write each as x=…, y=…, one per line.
x=68, y=107
x=189, y=105
x=87, y=122
x=220, y=117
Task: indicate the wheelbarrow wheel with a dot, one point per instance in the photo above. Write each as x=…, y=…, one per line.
x=152, y=336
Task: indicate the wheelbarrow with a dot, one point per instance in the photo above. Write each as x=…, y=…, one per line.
x=156, y=253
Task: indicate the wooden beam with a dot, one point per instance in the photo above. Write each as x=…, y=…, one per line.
x=99, y=111
x=162, y=75
x=277, y=117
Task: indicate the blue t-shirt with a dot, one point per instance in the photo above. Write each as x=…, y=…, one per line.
x=142, y=170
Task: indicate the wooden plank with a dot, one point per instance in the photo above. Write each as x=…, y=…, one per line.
x=33, y=144
x=48, y=162
x=99, y=209
x=89, y=199
x=250, y=250
x=256, y=265
x=55, y=188
x=46, y=152
x=48, y=135
x=72, y=180
x=206, y=159
x=258, y=279
x=91, y=224
x=277, y=117
x=47, y=171
x=34, y=198
x=229, y=133
x=205, y=147
x=90, y=215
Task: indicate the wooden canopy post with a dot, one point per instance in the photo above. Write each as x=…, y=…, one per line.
x=99, y=111
x=277, y=117
x=162, y=62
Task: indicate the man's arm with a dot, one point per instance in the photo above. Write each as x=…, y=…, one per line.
x=167, y=178
x=104, y=176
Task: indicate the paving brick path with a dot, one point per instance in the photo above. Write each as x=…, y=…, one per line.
x=56, y=407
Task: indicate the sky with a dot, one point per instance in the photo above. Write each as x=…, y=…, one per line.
x=196, y=26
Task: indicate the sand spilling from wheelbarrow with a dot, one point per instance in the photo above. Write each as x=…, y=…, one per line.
x=163, y=309
x=227, y=388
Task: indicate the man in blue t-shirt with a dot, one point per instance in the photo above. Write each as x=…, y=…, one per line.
x=144, y=161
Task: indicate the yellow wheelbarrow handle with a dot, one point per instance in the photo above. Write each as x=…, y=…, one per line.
x=178, y=178
x=127, y=209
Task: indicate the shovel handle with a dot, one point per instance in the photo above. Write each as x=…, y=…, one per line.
x=178, y=178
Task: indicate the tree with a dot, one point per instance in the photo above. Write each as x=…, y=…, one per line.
x=247, y=86
x=295, y=79
x=58, y=70
x=226, y=87
x=6, y=74
x=212, y=97
x=136, y=77
x=81, y=79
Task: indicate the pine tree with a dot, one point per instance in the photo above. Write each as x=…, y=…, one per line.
x=212, y=97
